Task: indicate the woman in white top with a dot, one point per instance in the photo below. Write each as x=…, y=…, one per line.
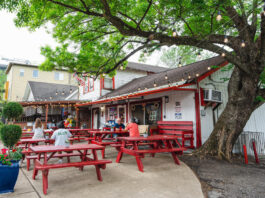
x=38, y=129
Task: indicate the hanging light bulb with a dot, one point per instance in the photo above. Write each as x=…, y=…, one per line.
x=189, y=77
x=50, y=97
x=145, y=88
x=169, y=84
x=139, y=89
x=199, y=55
x=63, y=93
x=197, y=75
x=121, y=67
x=71, y=90
x=155, y=84
x=223, y=54
x=56, y=93
x=166, y=77
x=243, y=44
x=174, y=34
x=103, y=75
x=226, y=39
x=180, y=65
x=209, y=68
x=219, y=16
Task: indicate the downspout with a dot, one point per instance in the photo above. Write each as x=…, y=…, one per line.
x=198, y=115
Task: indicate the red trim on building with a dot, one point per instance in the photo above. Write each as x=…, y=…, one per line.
x=113, y=82
x=212, y=71
x=198, y=120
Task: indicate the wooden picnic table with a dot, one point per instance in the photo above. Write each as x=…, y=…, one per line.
x=102, y=138
x=28, y=142
x=157, y=143
x=81, y=148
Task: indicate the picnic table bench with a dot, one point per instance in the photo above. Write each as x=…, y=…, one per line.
x=158, y=144
x=81, y=148
x=182, y=129
x=101, y=138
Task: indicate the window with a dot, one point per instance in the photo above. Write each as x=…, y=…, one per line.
x=108, y=83
x=35, y=73
x=88, y=86
x=21, y=72
x=58, y=76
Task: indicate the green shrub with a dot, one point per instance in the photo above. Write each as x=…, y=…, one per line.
x=10, y=135
x=12, y=110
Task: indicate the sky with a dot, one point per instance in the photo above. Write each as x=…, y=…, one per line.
x=20, y=43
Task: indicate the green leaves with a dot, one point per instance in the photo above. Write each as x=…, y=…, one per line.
x=10, y=134
x=12, y=110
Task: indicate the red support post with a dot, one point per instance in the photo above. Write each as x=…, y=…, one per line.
x=245, y=154
x=255, y=152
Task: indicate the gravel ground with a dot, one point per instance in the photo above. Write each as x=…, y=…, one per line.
x=224, y=179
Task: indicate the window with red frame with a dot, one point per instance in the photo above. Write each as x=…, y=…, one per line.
x=89, y=86
x=108, y=83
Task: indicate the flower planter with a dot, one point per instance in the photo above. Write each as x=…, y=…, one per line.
x=8, y=177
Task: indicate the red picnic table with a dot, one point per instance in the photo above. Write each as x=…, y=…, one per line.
x=81, y=148
x=157, y=143
x=28, y=142
x=79, y=134
x=101, y=138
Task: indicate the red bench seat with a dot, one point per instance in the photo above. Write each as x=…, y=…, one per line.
x=46, y=167
x=183, y=129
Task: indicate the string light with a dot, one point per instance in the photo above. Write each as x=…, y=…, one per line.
x=71, y=90
x=166, y=77
x=223, y=54
x=56, y=93
x=145, y=88
x=139, y=89
x=180, y=65
x=121, y=67
x=174, y=34
x=243, y=44
x=209, y=68
x=199, y=55
x=219, y=16
x=155, y=84
x=50, y=97
x=197, y=75
x=103, y=75
x=189, y=77
x=63, y=93
x=226, y=39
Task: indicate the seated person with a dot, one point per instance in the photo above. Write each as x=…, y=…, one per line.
x=61, y=136
x=38, y=129
x=118, y=125
x=133, y=128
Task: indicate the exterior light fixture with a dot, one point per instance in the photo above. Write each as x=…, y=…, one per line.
x=219, y=16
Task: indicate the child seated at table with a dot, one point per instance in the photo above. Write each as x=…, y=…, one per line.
x=133, y=128
x=61, y=137
x=38, y=129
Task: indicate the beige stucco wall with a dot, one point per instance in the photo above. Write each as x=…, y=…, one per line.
x=17, y=83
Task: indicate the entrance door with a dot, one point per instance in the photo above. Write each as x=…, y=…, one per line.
x=95, y=119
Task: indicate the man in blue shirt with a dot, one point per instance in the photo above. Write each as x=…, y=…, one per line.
x=118, y=125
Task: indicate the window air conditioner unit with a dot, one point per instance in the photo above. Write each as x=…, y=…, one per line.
x=210, y=95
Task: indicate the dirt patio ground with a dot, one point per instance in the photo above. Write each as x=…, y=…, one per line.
x=223, y=179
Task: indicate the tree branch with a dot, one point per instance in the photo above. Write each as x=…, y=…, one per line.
x=254, y=18
x=125, y=15
x=76, y=9
x=262, y=38
x=146, y=11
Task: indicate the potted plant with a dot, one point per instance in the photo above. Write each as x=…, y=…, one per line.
x=10, y=156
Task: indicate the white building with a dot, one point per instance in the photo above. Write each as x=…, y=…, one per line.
x=172, y=95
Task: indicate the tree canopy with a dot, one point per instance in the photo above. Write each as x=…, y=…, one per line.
x=98, y=36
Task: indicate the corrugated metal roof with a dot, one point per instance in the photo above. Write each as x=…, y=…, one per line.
x=145, y=67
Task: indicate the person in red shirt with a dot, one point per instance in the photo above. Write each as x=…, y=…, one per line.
x=133, y=128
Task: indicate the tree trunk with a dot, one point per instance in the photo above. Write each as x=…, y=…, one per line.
x=242, y=90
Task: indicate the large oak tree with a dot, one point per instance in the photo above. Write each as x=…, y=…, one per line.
x=97, y=36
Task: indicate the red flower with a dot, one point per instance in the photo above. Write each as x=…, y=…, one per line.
x=5, y=156
x=14, y=150
x=4, y=151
